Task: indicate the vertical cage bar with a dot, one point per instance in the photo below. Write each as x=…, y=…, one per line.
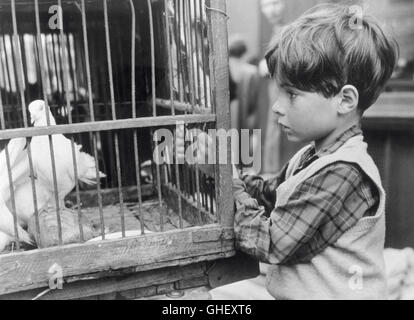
x=177, y=30
x=65, y=78
x=20, y=83
x=189, y=36
x=204, y=57
x=169, y=50
x=134, y=114
x=218, y=43
x=197, y=185
x=176, y=167
x=152, y=35
x=52, y=153
x=193, y=5
x=183, y=49
x=112, y=96
x=154, y=106
x=92, y=114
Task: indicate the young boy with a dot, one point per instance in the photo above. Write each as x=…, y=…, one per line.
x=324, y=238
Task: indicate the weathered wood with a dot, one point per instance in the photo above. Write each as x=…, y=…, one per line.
x=132, y=281
x=115, y=283
x=146, y=292
x=192, y=283
x=237, y=268
x=219, y=59
x=165, y=288
x=200, y=293
x=108, y=125
x=29, y=269
x=183, y=107
x=110, y=196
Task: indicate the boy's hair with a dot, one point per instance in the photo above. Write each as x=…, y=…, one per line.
x=324, y=50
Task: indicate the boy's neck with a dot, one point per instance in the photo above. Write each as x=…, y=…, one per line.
x=331, y=137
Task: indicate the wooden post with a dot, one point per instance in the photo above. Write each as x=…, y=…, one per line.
x=219, y=70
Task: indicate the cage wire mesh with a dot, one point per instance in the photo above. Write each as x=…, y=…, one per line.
x=107, y=64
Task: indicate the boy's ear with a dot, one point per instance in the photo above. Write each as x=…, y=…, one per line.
x=348, y=99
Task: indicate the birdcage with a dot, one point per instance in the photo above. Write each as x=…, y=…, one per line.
x=113, y=73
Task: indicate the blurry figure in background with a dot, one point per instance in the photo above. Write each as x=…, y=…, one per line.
x=273, y=11
x=244, y=77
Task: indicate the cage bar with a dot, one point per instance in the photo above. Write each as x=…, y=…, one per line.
x=134, y=115
x=20, y=84
x=194, y=38
x=170, y=64
x=52, y=154
x=154, y=106
x=176, y=166
x=203, y=56
x=65, y=77
x=92, y=115
x=106, y=125
x=177, y=39
x=195, y=88
x=111, y=90
x=220, y=74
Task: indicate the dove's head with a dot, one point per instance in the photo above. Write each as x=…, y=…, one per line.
x=38, y=113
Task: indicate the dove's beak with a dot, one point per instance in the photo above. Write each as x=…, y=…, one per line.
x=32, y=120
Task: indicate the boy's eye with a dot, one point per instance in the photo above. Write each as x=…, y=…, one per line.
x=292, y=95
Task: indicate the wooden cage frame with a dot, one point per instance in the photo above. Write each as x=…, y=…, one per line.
x=159, y=262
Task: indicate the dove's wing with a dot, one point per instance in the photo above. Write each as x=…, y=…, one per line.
x=62, y=147
x=24, y=199
x=63, y=163
x=7, y=224
x=16, y=148
x=5, y=239
x=19, y=165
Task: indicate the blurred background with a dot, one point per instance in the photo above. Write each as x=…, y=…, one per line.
x=388, y=125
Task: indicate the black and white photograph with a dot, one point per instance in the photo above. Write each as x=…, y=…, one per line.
x=207, y=155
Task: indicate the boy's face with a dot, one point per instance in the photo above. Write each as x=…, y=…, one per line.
x=305, y=116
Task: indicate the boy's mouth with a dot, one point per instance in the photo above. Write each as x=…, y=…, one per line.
x=284, y=128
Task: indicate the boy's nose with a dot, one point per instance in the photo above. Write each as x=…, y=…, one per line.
x=277, y=109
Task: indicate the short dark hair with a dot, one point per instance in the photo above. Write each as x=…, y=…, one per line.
x=322, y=52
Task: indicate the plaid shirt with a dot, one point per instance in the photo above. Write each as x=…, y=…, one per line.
x=318, y=212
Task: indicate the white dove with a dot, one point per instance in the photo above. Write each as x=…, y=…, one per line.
x=20, y=172
x=62, y=147
x=19, y=165
x=24, y=202
x=7, y=228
